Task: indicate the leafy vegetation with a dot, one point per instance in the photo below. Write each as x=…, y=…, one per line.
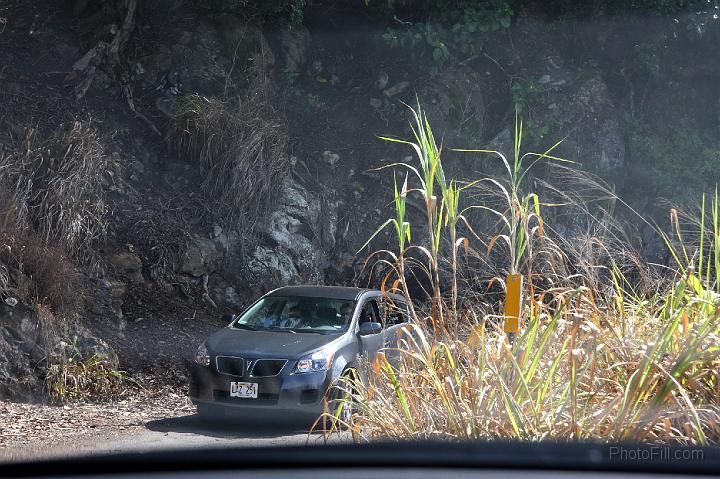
x=83, y=379
x=621, y=7
x=525, y=93
x=676, y=161
x=450, y=28
x=284, y=12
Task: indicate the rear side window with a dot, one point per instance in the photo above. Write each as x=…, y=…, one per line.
x=393, y=312
x=397, y=314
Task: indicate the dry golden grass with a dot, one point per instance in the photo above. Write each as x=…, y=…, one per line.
x=608, y=351
x=241, y=147
x=57, y=186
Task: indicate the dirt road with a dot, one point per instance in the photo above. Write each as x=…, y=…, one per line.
x=141, y=421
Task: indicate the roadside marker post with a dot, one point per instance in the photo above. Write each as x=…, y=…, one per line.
x=513, y=304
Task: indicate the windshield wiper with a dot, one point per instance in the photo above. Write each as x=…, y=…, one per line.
x=282, y=329
x=244, y=326
x=307, y=331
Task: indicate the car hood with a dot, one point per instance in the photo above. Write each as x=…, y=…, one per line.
x=275, y=344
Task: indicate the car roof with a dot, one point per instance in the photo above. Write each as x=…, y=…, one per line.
x=330, y=292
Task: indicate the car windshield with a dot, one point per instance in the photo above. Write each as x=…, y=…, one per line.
x=298, y=314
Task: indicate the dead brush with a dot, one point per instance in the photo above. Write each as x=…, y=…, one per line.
x=84, y=379
x=42, y=274
x=58, y=186
x=163, y=238
x=569, y=376
x=240, y=145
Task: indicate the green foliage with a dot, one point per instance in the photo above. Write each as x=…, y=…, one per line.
x=451, y=28
x=556, y=8
x=536, y=132
x=679, y=162
x=288, y=77
x=76, y=378
x=308, y=100
x=315, y=102
x=525, y=93
x=616, y=360
x=647, y=58
x=656, y=7
x=522, y=208
x=284, y=12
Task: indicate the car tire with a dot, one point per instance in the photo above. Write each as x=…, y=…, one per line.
x=210, y=412
x=342, y=394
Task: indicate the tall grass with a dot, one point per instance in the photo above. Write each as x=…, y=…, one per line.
x=608, y=360
x=240, y=146
x=57, y=186
x=53, y=213
x=429, y=172
x=77, y=378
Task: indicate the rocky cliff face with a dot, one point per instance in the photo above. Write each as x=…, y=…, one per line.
x=173, y=260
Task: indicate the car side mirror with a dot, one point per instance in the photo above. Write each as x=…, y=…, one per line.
x=229, y=318
x=367, y=329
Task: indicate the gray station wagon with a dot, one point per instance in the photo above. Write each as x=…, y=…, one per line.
x=290, y=348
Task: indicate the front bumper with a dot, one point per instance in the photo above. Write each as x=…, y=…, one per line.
x=286, y=394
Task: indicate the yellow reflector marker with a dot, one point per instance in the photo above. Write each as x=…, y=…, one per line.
x=513, y=302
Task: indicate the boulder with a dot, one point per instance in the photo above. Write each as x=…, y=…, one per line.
x=272, y=264
x=330, y=158
x=301, y=236
x=126, y=261
x=591, y=124
x=128, y=264
x=396, y=89
x=293, y=222
x=203, y=256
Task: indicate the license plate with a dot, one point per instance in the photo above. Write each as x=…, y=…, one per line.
x=243, y=390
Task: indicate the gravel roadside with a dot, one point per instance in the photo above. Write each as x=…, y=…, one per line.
x=146, y=418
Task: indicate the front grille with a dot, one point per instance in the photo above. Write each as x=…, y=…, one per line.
x=268, y=367
x=230, y=365
x=263, y=399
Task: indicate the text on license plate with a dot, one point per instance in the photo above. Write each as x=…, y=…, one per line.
x=243, y=390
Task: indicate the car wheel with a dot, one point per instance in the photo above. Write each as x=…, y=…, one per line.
x=343, y=399
x=210, y=412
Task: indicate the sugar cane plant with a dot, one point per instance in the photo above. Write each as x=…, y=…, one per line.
x=618, y=361
x=429, y=172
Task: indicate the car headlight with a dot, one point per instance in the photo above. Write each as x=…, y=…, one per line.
x=317, y=361
x=201, y=356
